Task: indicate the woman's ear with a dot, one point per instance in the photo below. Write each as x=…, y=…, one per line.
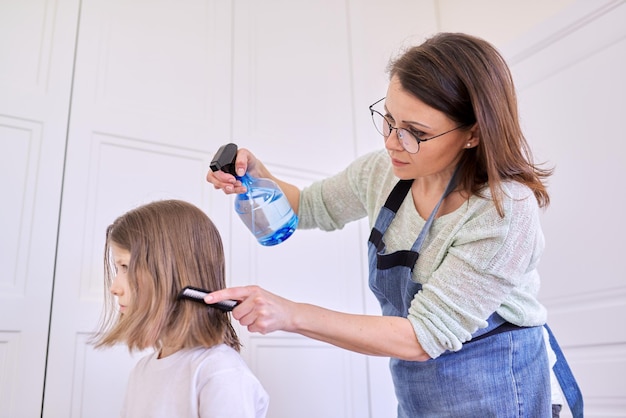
x=474, y=137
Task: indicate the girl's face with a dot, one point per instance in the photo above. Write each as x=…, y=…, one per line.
x=119, y=286
x=436, y=156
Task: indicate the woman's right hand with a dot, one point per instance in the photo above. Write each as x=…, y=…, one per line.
x=258, y=310
x=245, y=162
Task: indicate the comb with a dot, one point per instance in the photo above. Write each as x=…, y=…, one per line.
x=197, y=295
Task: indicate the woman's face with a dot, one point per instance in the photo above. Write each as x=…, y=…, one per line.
x=437, y=156
x=120, y=287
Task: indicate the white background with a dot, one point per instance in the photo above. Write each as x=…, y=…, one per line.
x=108, y=104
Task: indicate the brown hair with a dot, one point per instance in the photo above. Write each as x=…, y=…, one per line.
x=172, y=244
x=467, y=79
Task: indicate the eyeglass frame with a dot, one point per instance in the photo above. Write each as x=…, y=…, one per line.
x=400, y=134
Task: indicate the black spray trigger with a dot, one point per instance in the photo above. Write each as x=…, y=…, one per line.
x=224, y=159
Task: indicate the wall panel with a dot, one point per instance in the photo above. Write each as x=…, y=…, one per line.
x=149, y=105
x=37, y=39
x=20, y=141
x=571, y=84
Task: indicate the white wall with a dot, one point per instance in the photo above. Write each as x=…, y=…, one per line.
x=501, y=22
x=90, y=88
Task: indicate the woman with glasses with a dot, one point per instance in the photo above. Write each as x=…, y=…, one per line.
x=453, y=202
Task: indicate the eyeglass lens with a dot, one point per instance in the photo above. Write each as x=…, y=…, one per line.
x=407, y=140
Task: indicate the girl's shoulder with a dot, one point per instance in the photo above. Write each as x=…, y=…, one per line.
x=218, y=357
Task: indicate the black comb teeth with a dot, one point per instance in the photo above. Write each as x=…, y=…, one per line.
x=197, y=295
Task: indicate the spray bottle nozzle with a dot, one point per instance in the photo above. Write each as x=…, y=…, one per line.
x=224, y=159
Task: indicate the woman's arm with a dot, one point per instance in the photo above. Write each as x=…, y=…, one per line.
x=264, y=312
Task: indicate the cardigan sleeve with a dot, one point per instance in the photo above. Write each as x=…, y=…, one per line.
x=350, y=195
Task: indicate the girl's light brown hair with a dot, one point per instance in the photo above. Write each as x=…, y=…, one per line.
x=172, y=244
x=467, y=79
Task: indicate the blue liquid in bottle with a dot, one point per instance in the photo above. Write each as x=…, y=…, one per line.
x=265, y=210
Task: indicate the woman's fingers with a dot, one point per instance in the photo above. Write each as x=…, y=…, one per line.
x=224, y=181
x=258, y=310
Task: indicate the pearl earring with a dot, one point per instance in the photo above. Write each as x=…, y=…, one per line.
x=469, y=144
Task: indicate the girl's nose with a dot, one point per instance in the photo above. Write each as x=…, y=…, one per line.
x=115, y=288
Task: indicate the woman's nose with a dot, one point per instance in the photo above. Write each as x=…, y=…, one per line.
x=395, y=142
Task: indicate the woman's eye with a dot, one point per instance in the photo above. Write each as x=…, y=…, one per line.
x=417, y=134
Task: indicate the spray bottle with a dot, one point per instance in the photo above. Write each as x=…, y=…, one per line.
x=263, y=208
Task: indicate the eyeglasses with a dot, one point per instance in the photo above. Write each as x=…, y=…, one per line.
x=410, y=141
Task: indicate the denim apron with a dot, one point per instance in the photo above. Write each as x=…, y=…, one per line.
x=496, y=374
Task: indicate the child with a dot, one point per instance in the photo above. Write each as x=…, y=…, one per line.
x=151, y=254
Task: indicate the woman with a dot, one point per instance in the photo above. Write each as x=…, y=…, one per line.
x=453, y=202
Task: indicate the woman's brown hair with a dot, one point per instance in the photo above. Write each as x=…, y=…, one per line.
x=172, y=244
x=467, y=79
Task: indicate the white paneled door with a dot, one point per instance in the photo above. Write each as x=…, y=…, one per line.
x=36, y=55
x=149, y=105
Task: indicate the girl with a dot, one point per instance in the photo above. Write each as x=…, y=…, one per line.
x=151, y=253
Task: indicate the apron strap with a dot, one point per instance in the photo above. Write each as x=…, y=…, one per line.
x=397, y=195
x=406, y=258
x=422, y=236
x=392, y=204
x=566, y=378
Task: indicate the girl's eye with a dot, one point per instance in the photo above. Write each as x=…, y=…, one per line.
x=121, y=268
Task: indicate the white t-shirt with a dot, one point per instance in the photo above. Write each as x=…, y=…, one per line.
x=200, y=382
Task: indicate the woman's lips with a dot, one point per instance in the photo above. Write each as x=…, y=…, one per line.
x=398, y=163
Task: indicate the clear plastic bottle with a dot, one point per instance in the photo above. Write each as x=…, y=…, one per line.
x=264, y=208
